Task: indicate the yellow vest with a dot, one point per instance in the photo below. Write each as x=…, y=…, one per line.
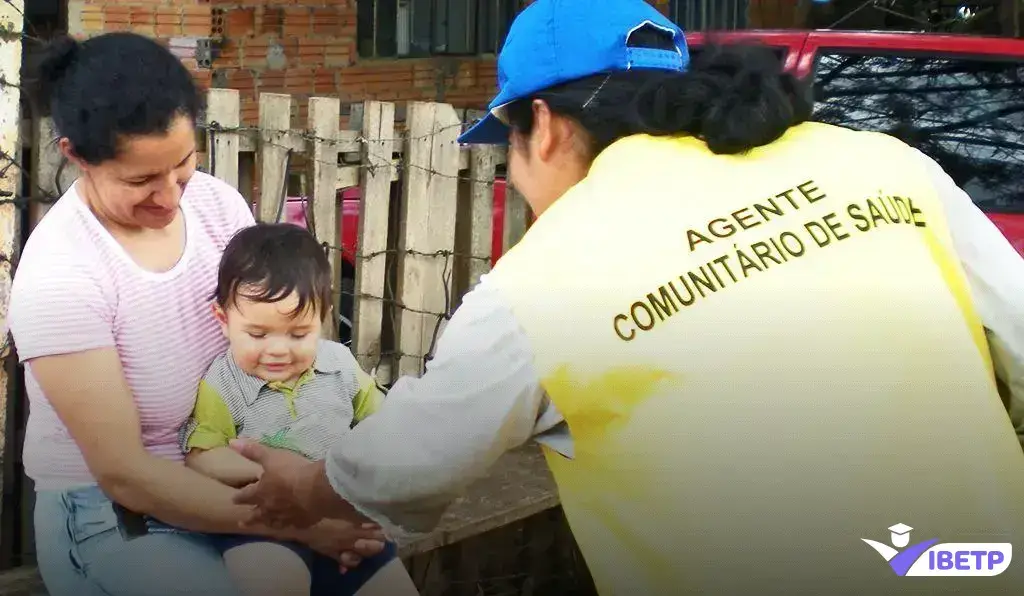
x=765, y=361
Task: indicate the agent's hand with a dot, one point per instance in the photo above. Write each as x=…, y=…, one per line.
x=281, y=498
x=345, y=543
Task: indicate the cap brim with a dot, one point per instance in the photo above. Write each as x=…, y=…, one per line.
x=488, y=131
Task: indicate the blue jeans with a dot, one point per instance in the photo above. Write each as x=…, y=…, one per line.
x=81, y=552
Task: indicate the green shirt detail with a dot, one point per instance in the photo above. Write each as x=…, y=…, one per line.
x=307, y=417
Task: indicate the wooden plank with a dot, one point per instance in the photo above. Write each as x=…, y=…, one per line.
x=12, y=16
x=516, y=217
x=275, y=121
x=349, y=141
x=248, y=141
x=413, y=224
x=52, y=175
x=223, y=113
x=429, y=203
x=481, y=210
x=518, y=486
x=247, y=177
x=323, y=160
x=378, y=129
x=349, y=176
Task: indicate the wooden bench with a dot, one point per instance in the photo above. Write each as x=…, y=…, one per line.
x=507, y=529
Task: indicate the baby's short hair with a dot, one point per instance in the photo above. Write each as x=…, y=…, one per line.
x=268, y=262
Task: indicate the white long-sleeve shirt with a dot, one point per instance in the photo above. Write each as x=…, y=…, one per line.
x=481, y=395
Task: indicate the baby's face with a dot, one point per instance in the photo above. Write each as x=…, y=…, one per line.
x=268, y=341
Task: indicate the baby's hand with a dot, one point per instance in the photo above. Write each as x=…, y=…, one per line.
x=345, y=543
x=243, y=482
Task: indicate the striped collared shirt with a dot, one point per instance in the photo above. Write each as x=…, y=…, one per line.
x=326, y=401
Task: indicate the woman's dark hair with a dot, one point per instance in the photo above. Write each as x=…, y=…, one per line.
x=109, y=87
x=733, y=97
x=268, y=262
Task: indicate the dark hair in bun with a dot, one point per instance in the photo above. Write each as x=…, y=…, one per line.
x=112, y=86
x=733, y=97
x=53, y=63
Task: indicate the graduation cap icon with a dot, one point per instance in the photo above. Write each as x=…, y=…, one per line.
x=900, y=535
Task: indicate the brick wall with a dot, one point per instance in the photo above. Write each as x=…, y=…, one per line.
x=300, y=47
x=178, y=23
x=308, y=47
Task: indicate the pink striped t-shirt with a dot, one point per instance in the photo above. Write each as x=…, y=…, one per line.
x=76, y=289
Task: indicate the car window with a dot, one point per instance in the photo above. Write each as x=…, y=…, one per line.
x=781, y=52
x=966, y=113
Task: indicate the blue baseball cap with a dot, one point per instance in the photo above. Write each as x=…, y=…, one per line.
x=556, y=41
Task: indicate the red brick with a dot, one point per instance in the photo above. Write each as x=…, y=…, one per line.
x=401, y=76
x=255, y=50
x=337, y=54
x=272, y=82
x=250, y=115
x=299, y=80
x=230, y=55
x=327, y=21
x=92, y=18
x=319, y=42
x=297, y=21
x=116, y=14
x=241, y=79
x=240, y=22
x=166, y=15
x=325, y=81
x=168, y=22
x=271, y=21
x=196, y=21
x=203, y=78
x=311, y=52
x=142, y=17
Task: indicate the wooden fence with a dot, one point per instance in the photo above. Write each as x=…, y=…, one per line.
x=426, y=206
x=425, y=210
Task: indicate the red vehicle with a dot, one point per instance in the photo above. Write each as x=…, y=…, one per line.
x=349, y=224
x=295, y=213
x=956, y=98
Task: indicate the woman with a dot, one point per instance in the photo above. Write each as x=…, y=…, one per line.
x=746, y=341
x=110, y=312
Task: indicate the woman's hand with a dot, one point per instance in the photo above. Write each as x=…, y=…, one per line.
x=89, y=392
x=344, y=542
x=292, y=492
x=284, y=495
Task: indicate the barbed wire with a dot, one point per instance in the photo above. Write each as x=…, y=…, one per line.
x=371, y=160
x=27, y=181
x=388, y=298
x=447, y=273
x=213, y=129
x=368, y=157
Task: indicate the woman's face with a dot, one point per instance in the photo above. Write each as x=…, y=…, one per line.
x=548, y=162
x=142, y=186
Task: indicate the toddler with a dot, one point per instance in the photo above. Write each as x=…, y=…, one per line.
x=279, y=383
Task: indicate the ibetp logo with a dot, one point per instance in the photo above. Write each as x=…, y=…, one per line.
x=932, y=557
